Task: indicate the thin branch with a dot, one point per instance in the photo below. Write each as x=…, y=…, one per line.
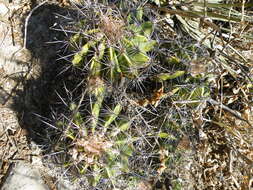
x=27, y=20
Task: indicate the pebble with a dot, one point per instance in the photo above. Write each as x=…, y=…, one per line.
x=24, y=177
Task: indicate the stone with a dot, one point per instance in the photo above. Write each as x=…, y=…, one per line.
x=25, y=177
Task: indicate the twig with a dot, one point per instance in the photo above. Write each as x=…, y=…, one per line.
x=189, y=101
x=222, y=106
x=243, y=6
x=27, y=20
x=235, y=60
x=214, y=102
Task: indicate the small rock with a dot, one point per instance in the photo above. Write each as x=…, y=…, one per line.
x=3, y=10
x=24, y=177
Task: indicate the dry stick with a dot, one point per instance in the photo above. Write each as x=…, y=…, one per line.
x=214, y=102
x=205, y=9
x=6, y=174
x=235, y=60
x=243, y=6
x=12, y=31
x=27, y=20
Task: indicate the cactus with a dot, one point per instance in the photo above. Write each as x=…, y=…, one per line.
x=113, y=49
x=125, y=55
x=114, y=53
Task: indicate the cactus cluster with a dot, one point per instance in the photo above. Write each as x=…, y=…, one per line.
x=123, y=122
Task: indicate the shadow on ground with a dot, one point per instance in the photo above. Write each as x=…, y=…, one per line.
x=38, y=92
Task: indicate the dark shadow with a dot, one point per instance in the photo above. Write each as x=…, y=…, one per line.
x=38, y=93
